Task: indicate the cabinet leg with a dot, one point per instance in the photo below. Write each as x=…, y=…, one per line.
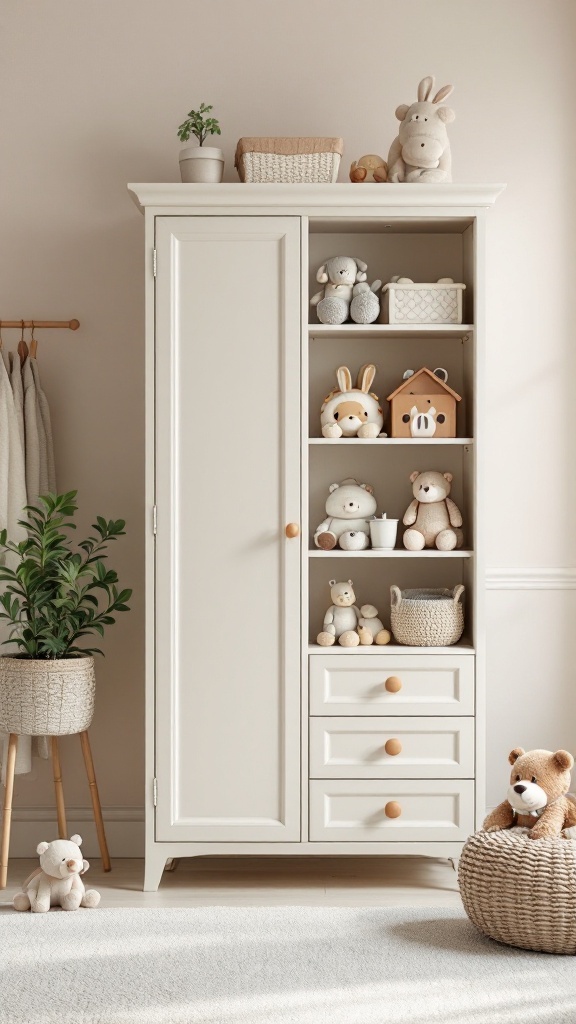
x=7, y=815
x=58, y=789
x=172, y=863
x=86, y=751
x=153, y=869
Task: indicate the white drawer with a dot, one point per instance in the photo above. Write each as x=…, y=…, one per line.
x=391, y=748
x=392, y=684
x=358, y=810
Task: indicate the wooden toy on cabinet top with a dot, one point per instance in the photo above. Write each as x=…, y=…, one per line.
x=369, y=168
x=349, y=411
x=421, y=150
x=346, y=293
x=349, y=506
x=434, y=519
x=423, y=405
x=349, y=625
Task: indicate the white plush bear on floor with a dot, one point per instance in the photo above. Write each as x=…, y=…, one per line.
x=434, y=519
x=57, y=882
x=348, y=509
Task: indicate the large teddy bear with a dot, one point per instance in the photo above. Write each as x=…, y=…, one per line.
x=421, y=150
x=348, y=508
x=346, y=292
x=434, y=519
x=57, y=882
x=537, y=795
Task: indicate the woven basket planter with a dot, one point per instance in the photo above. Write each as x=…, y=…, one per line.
x=521, y=891
x=46, y=698
x=427, y=617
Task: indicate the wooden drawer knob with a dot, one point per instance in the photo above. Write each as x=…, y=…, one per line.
x=393, y=684
x=393, y=747
x=292, y=530
x=392, y=809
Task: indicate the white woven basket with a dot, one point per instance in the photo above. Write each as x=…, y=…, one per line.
x=423, y=303
x=46, y=698
x=288, y=160
x=427, y=617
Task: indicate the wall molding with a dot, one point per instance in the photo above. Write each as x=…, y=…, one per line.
x=124, y=830
x=531, y=579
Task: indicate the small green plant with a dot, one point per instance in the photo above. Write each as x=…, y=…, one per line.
x=55, y=595
x=198, y=125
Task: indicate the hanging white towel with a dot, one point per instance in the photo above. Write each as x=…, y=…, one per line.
x=12, y=501
x=48, y=470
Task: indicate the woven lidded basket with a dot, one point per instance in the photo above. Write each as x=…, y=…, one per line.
x=423, y=303
x=46, y=698
x=290, y=160
x=427, y=617
x=521, y=891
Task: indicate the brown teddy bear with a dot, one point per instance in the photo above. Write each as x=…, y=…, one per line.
x=537, y=796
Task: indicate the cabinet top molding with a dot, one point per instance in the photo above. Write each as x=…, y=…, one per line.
x=333, y=197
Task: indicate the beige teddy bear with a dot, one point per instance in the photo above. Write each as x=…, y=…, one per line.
x=347, y=624
x=57, y=881
x=537, y=795
x=434, y=519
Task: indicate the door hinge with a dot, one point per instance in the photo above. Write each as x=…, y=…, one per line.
x=154, y=261
x=155, y=791
x=154, y=520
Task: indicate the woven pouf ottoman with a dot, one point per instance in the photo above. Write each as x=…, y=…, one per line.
x=521, y=891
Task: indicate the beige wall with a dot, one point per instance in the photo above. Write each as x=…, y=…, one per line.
x=92, y=92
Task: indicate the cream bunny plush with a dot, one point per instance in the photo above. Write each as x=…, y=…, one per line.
x=57, y=882
x=346, y=292
x=352, y=412
x=421, y=150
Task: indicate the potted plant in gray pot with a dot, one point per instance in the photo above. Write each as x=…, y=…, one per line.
x=200, y=163
x=54, y=597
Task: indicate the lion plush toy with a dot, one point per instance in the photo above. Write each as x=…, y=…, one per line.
x=537, y=796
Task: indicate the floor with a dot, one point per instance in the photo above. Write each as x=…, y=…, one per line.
x=270, y=881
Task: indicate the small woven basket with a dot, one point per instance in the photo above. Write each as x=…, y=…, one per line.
x=423, y=303
x=289, y=160
x=46, y=698
x=427, y=617
x=521, y=891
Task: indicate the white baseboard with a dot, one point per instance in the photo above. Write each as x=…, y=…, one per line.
x=531, y=579
x=124, y=830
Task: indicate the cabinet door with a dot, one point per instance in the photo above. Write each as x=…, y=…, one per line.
x=227, y=483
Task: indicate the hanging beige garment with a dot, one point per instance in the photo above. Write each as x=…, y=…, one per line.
x=17, y=393
x=12, y=502
x=47, y=471
x=32, y=437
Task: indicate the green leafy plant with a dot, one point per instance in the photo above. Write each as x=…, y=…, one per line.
x=198, y=125
x=55, y=595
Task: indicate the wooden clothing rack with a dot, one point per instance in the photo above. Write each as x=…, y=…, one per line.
x=72, y=325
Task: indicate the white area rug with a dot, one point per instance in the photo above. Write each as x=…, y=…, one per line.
x=281, y=965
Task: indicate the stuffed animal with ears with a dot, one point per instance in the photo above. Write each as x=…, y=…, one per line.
x=347, y=624
x=352, y=412
x=537, y=796
x=57, y=881
x=434, y=519
x=346, y=292
x=421, y=150
x=349, y=506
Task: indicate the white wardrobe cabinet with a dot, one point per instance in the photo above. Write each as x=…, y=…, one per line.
x=258, y=740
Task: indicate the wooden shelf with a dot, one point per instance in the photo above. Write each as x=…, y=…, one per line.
x=395, y=553
x=463, y=647
x=362, y=331
x=391, y=440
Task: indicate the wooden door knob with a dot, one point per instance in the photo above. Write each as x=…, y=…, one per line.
x=392, y=809
x=292, y=530
x=393, y=684
x=393, y=747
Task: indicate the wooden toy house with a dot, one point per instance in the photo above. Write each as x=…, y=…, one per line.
x=425, y=391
